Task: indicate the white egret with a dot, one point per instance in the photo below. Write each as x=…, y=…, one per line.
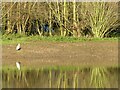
x=18, y=65
x=18, y=47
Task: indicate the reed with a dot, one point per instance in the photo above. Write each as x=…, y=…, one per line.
x=65, y=80
x=50, y=79
x=59, y=79
x=74, y=80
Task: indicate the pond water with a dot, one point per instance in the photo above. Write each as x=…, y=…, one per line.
x=97, y=77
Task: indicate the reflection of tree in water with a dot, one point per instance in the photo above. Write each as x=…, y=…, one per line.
x=99, y=77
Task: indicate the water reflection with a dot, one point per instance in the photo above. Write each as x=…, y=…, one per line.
x=57, y=78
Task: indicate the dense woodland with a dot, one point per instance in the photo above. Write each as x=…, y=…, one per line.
x=78, y=19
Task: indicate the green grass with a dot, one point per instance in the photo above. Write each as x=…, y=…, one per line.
x=62, y=68
x=13, y=39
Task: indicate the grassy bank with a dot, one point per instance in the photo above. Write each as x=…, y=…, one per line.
x=62, y=68
x=13, y=39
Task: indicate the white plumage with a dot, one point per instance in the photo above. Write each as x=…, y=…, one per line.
x=18, y=47
x=18, y=65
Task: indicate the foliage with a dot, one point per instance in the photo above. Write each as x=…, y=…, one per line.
x=95, y=19
x=102, y=17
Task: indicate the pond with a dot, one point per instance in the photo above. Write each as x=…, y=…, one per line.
x=95, y=77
